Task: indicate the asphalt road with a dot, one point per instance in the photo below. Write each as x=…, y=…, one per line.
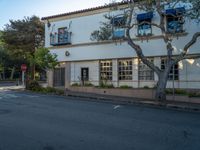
x=40, y=122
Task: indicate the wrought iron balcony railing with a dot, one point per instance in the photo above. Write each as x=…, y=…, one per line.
x=57, y=39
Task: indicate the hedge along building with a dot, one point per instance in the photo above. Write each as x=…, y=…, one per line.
x=114, y=61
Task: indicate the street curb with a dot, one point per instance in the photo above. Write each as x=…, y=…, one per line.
x=127, y=101
x=169, y=105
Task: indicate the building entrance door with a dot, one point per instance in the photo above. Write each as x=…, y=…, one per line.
x=59, y=77
x=84, y=75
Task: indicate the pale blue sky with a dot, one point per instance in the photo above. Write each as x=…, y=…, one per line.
x=17, y=9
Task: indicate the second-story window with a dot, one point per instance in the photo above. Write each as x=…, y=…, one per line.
x=62, y=35
x=118, y=24
x=175, y=20
x=144, y=24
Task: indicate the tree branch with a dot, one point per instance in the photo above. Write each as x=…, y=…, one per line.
x=146, y=22
x=162, y=20
x=138, y=49
x=187, y=46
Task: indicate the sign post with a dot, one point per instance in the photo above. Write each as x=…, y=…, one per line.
x=23, y=69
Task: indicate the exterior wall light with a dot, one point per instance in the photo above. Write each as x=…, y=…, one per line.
x=67, y=53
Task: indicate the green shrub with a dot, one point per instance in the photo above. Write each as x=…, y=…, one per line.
x=176, y=91
x=101, y=84
x=85, y=84
x=88, y=84
x=75, y=84
x=50, y=90
x=125, y=87
x=180, y=91
x=53, y=91
x=109, y=86
x=105, y=85
x=33, y=85
x=59, y=92
x=193, y=94
x=38, y=89
x=168, y=91
x=146, y=87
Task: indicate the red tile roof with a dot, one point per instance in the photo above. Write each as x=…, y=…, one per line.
x=82, y=11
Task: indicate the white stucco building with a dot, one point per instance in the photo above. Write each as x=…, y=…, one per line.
x=69, y=36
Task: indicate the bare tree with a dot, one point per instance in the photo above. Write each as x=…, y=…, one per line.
x=159, y=7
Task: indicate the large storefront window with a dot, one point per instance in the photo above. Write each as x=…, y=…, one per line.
x=125, y=69
x=144, y=72
x=106, y=70
x=174, y=71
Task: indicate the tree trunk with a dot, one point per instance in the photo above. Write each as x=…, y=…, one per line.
x=33, y=72
x=12, y=73
x=3, y=72
x=161, y=86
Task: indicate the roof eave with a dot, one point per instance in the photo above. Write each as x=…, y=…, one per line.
x=82, y=11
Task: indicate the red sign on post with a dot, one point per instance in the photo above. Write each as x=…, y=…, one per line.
x=23, y=67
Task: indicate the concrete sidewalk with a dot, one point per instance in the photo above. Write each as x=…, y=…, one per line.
x=123, y=100
x=127, y=100
x=12, y=87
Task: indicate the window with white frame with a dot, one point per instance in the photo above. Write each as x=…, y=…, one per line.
x=144, y=72
x=174, y=71
x=106, y=70
x=125, y=69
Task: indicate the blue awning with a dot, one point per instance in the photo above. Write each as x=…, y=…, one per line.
x=175, y=11
x=144, y=16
